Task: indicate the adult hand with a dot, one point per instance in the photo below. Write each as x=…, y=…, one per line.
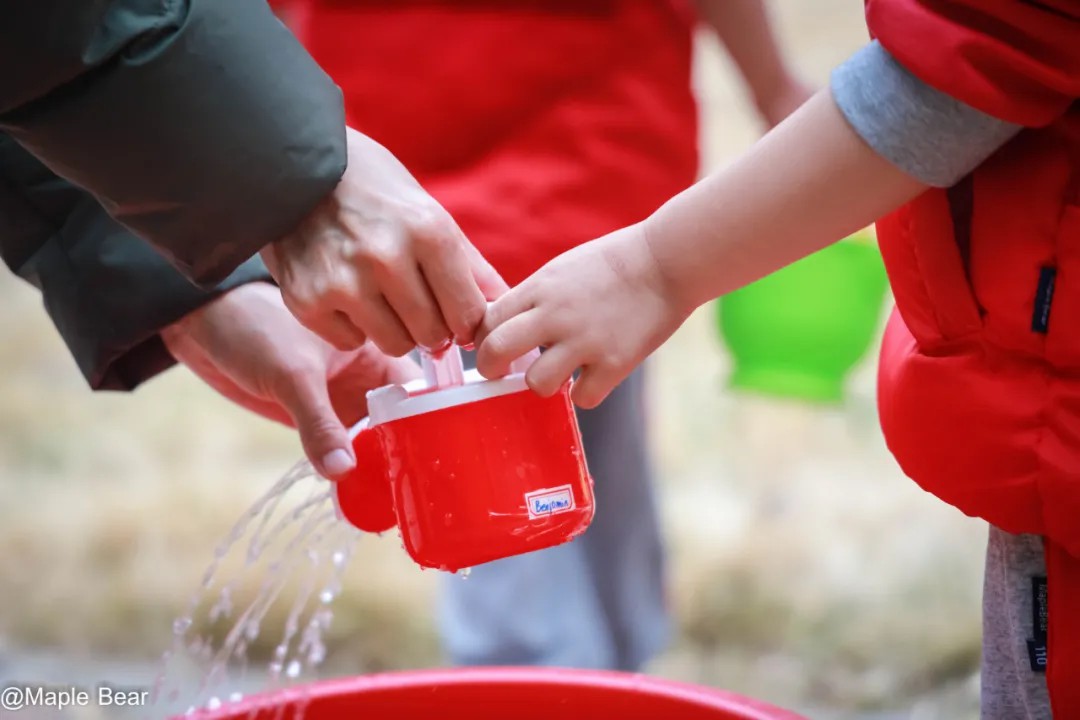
x=381, y=259
x=249, y=347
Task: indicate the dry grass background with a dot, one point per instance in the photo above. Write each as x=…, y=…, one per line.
x=805, y=569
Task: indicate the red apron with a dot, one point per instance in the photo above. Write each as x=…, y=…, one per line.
x=539, y=125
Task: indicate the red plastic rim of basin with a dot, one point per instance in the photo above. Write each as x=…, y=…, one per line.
x=498, y=694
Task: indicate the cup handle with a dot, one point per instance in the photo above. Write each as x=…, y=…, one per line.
x=363, y=496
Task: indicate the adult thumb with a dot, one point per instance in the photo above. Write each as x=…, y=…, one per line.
x=487, y=278
x=326, y=441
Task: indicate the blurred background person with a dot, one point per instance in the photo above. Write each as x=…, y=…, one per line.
x=539, y=124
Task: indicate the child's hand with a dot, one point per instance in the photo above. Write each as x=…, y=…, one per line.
x=602, y=307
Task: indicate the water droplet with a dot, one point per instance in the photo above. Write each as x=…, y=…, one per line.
x=313, y=555
x=464, y=573
x=293, y=671
x=339, y=559
x=252, y=630
x=213, y=704
x=181, y=625
x=317, y=655
x=223, y=607
x=190, y=710
x=326, y=596
x=280, y=651
x=236, y=697
x=275, y=669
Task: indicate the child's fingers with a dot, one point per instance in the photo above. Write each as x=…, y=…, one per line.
x=508, y=341
x=552, y=369
x=513, y=303
x=593, y=385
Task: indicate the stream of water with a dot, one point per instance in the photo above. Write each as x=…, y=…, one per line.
x=291, y=537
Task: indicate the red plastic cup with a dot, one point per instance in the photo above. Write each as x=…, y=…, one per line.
x=499, y=694
x=471, y=473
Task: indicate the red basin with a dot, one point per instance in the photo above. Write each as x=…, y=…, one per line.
x=499, y=694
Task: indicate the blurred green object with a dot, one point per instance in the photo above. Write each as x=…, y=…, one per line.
x=798, y=332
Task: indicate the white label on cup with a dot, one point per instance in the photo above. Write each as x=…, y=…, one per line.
x=553, y=501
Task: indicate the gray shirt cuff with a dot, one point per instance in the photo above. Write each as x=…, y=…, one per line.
x=929, y=135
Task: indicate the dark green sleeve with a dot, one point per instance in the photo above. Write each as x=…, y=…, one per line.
x=107, y=292
x=201, y=125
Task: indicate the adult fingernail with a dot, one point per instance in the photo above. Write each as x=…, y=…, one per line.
x=337, y=462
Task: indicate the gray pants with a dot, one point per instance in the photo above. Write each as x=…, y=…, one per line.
x=1015, y=581
x=597, y=602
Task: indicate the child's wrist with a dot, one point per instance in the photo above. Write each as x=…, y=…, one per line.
x=673, y=285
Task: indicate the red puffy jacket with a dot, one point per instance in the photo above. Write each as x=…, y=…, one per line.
x=538, y=124
x=979, y=383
